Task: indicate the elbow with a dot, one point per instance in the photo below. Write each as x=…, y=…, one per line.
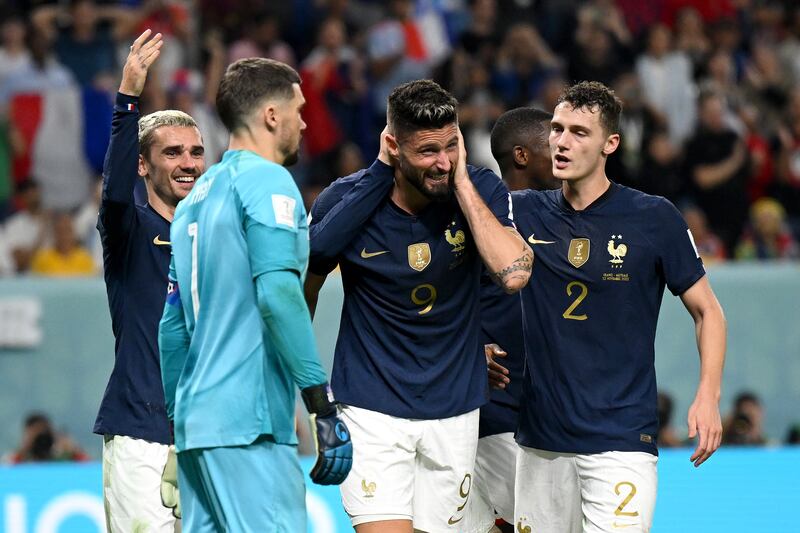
x=514, y=284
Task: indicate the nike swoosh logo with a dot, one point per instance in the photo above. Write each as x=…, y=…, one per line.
x=537, y=241
x=366, y=255
x=158, y=242
x=450, y=521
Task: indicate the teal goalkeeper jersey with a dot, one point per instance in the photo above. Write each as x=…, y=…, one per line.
x=231, y=385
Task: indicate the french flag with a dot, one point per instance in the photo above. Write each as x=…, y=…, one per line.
x=130, y=107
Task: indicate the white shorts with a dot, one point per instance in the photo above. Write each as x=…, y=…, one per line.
x=493, y=490
x=132, y=486
x=418, y=470
x=585, y=493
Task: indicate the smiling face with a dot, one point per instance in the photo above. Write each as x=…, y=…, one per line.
x=174, y=162
x=427, y=160
x=579, y=143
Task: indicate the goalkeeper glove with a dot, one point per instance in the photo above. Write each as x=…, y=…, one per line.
x=170, y=496
x=331, y=436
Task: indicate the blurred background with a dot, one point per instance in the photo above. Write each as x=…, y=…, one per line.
x=711, y=90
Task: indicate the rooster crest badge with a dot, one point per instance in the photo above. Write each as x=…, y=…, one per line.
x=617, y=252
x=456, y=239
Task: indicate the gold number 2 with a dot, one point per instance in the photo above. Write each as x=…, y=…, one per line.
x=627, y=500
x=427, y=301
x=584, y=291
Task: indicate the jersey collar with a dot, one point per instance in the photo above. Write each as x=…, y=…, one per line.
x=601, y=200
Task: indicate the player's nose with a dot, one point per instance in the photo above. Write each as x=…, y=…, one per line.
x=443, y=163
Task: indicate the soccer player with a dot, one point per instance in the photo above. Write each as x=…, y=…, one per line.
x=167, y=152
x=236, y=334
x=411, y=238
x=519, y=145
x=588, y=416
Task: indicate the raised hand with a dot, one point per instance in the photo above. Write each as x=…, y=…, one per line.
x=144, y=51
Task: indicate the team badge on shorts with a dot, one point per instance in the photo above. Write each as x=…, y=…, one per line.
x=419, y=256
x=578, y=252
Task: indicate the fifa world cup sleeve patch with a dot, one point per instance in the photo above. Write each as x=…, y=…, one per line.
x=283, y=207
x=173, y=293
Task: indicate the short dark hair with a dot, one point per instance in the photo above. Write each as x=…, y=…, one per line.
x=247, y=83
x=420, y=105
x=523, y=126
x=593, y=95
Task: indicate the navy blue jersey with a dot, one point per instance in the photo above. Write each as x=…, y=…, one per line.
x=590, y=313
x=136, y=254
x=501, y=324
x=408, y=341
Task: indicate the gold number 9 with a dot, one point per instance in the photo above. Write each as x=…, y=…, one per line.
x=426, y=301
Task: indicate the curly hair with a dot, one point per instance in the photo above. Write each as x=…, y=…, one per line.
x=593, y=95
x=420, y=105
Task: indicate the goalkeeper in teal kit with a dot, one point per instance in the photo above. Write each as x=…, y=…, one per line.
x=236, y=336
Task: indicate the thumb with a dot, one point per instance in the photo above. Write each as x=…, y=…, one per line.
x=692, y=426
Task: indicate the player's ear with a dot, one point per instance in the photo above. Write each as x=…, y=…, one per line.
x=269, y=113
x=142, y=168
x=612, y=142
x=392, y=145
x=521, y=156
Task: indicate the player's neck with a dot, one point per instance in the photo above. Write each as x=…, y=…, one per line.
x=582, y=192
x=261, y=146
x=406, y=196
x=161, y=207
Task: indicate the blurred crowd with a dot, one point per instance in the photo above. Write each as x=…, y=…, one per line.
x=711, y=90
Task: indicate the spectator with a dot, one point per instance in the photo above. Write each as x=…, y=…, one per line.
x=66, y=257
x=661, y=168
x=84, y=35
x=787, y=185
x=762, y=167
x=85, y=224
x=261, y=38
x=47, y=129
x=717, y=169
x=26, y=230
x=522, y=65
x=709, y=246
x=691, y=38
x=13, y=52
x=767, y=236
x=396, y=54
x=744, y=426
x=667, y=83
x=41, y=443
x=667, y=438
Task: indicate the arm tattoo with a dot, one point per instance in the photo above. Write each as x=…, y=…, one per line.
x=523, y=263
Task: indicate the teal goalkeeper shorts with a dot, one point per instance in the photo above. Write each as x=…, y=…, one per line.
x=256, y=488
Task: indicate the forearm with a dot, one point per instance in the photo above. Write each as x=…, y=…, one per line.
x=342, y=222
x=120, y=169
x=710, y=330
x=286, y=317
x=506, y=255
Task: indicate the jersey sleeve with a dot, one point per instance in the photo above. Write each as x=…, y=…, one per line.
x=495, y=193
x=273, y=215
x=120, y=169
x=678, y=256
x=341, y=210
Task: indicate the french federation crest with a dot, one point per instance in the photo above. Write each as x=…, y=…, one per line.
x=578, y=252
x=419, y=256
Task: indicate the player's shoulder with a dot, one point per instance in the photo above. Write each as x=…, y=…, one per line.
x=483, y=177
x=247, y=169
x=645, y=204
x=530, y=198
x=334, y=192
